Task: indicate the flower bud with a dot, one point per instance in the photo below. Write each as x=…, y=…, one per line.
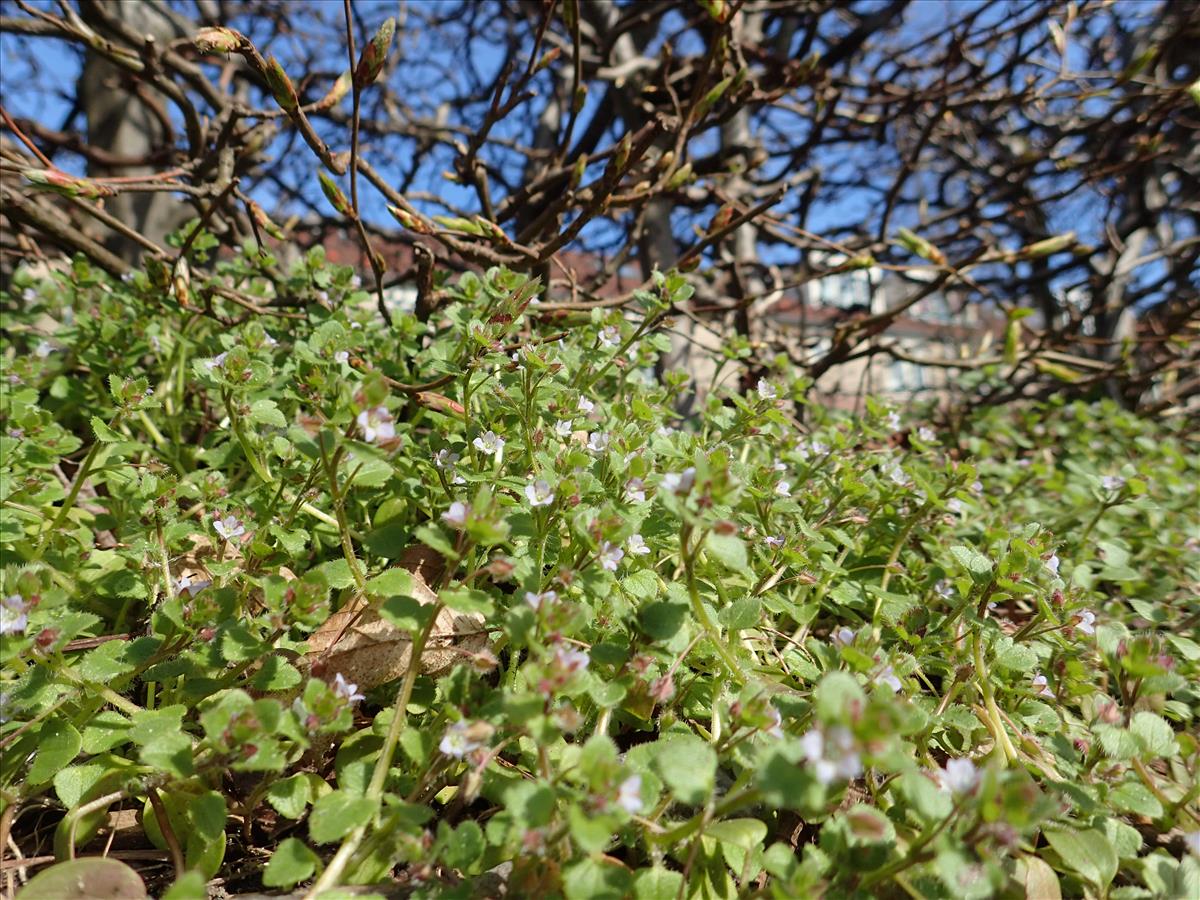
x=218, y=40
x=370, y=64
x=281, y=86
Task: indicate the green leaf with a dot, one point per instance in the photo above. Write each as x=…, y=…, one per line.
x=642, y=584
x=662, y=619
x=407, y=613
x=104, y=434
x=741, y=613
x=189, y=886
x=688, y=766
x=205, y=848
x=1135, y=797
x=729, y=549
x=932, y=803
x=465, y=846
x=590, y=831
x=291, y=863
x=337, y=814
x=838, y=696
x=867, y=825
x=58, y=743
x=1087, y=852
x=467, y=600
x=744, y=833
x=1014, y=657
x=337, y=573
x=1154, y=735
x=658, y=883
x=86, y=879
x=597, y=879
x=978, y=565
x=265, y=412
x=1039, y=879
x=290, y=796
x=391, y=583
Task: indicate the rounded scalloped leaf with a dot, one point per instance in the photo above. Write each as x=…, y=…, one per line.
x=89, y=878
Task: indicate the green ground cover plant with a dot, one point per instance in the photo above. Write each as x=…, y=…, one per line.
x=768, y=651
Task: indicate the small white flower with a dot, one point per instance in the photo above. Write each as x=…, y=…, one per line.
x=14, y=614
x=347, y=690
x=926, y=434
x=355, y=282
x=812, y=743
x=323, y=296
x=229, y=527
x=29, y=295
x=893, y=421
x=610, y=336
x=959, y=777
x=190, y=587
x=1052, y=564
x=586, y=405
x=1191, y=840
x=1112, y=482
x=598, y=441
x=218, y=360
x=1043, y=688
x=569, y=661
x=680, y=482
x=444, y=459
x=376, y=425
x=1085, y=621
x=773, y=541
x=610, y=555
x=895, y=473
x=887, y=677
x=944, y=589
x=537, y=601
x=629, y=795
x=775, y=729
x=635, y=491
x=43, y=349
x=783, y=489
x=766, y=390
x=490, y=443
x=810, y=448
x=977, y=487
x=269, y=341
x=637, y=545
x=833, y=756
x=954, y=505
x=845, y=756
x=342, y=356
x=563, y=428
x=456, y=515
x=457, y=742
x=843, y=637
x=664, y=431
x=539, y=493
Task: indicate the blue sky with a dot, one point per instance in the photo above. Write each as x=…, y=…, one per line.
x=43, y=91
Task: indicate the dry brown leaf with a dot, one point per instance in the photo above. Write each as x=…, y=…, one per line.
x=369, y=651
